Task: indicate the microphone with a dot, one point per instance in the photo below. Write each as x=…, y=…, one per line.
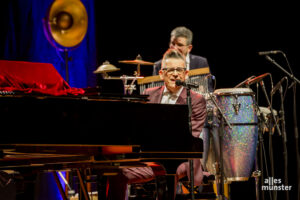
x=256, y=79
x=210, y=75
x=184, y=84
x=244, y=82
x=263, y=53
x=274, y=89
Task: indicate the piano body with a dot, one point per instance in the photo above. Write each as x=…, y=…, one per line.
x=41, y=132
x=48, y=126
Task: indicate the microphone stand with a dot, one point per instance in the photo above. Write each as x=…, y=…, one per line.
x=284, y=142
x=272, y=118
x=191, y=162
x=296, y=137
x=260, y=145
x=244, y=82
x=271, y=109
x=271, y=122
x=262, y=154
x=220, y=173
x=260, y=173
x=296, y=134
x=277, y=65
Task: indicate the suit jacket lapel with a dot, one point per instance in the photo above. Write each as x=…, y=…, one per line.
x=156, y=97
x=182, y=97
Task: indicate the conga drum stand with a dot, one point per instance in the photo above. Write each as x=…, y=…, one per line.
x=219, y=166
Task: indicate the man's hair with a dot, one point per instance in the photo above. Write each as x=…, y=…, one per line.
x=172, y=53
x=182, y=31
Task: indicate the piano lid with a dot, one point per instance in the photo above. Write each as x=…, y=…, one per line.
x=63, y=120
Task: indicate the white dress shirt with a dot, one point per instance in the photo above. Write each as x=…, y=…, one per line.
x=187, y=61
x=170, y=98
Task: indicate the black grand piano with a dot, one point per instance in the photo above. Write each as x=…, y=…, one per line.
x=41, y=132
x=45, y=132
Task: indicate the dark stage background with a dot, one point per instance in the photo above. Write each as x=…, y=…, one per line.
x=228, y=35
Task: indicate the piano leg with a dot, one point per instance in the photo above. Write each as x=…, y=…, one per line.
x=60, y=188
x=82, y=185
x=102, y=183
x=117, y=186
x=165, y=186
x=7, y=186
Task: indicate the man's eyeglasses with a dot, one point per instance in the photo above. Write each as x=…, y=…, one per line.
x=172, y=70
x=177, y=44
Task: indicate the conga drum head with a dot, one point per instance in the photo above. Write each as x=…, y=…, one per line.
x=233, y=91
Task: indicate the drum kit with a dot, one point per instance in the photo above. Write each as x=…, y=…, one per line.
x=106, y=67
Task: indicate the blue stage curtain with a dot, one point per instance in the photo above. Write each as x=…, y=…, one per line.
x=24, y=40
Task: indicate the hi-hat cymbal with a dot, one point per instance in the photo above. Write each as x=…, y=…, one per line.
x=106, y=67
x=137, y=61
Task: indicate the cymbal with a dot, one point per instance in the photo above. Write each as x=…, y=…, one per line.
x=137, y=61
x=106, y=67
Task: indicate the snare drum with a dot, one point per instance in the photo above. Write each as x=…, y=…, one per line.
x=238, y=143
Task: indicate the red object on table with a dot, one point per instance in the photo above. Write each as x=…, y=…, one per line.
x=30, y=77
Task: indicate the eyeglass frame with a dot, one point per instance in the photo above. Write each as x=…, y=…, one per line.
x=172, y=70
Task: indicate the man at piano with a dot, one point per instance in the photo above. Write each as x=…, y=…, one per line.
x=173, y=68
x=181, y=39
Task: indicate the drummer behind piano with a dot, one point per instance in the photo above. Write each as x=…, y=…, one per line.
x=181, y=39
x=173, y=68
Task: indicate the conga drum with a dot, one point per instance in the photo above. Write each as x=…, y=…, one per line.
x=239, y=143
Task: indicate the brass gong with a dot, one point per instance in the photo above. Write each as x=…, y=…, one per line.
x=67, y=22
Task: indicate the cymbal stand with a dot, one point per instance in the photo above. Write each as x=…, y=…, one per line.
x=220, y=167
x=67, y=65
x=138, y=71
x=128, y=88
